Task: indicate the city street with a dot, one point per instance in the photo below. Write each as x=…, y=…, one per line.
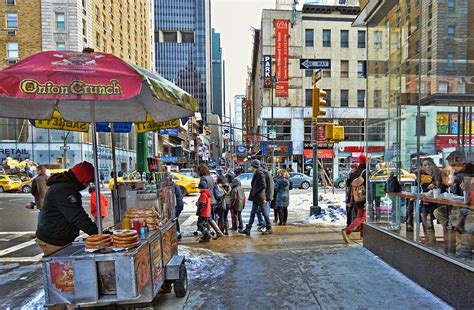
x=298, y=267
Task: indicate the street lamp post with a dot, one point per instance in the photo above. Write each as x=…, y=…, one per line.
x=273, y=135
x=65, y=150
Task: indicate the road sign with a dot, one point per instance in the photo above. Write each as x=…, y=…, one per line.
x=272, y=134
x=309, y=64
x=65, y=148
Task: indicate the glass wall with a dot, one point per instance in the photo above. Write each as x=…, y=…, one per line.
x=420, y=98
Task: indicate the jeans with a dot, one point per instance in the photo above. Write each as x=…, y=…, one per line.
x=255, y=207
x=358, y=221
x=178, y=228
x=259, y=213
x=237, y=219
x=202, y=226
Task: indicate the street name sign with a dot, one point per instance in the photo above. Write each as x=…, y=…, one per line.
x=65, y=148
x=309, y=64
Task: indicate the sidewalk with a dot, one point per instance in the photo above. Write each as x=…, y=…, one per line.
x=295, y=268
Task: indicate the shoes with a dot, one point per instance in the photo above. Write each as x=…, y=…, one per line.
x=218, y=236
x=33, y=236
x=29, y=206
x=260, y=228
x=245, y=231
x=195, y=233
x=267, y=231
x=409, y=228
x=179, y=237
x=204, y=240
x=345, y=236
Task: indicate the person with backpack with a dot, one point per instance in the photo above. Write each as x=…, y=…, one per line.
x=357, y=180
x=283, y=185
x=237, y=204
x=216, y=196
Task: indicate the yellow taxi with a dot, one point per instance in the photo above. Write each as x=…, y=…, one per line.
x=383, y=174
x=9, y=183
x=187, y=184
x=132, y=177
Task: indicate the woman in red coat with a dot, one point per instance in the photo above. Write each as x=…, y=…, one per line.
x=103, y=204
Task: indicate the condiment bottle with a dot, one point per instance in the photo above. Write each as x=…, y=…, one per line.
x=126, y=223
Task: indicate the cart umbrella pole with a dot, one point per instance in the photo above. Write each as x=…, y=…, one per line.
x=115, y=200
x=96, y=167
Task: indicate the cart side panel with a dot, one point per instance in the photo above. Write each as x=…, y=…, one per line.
x=59, y=278
x=143, y=273
x=170, y=242
x=85, y=281
x=157, y=263
x=125, y=277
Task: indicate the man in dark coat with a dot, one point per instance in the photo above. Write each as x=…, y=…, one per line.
x=257, y=196
x=268, y=194
x=63, y=215
x=179, y=207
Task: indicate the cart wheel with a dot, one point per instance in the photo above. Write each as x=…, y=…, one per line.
x=181, y=285
x=166, y=287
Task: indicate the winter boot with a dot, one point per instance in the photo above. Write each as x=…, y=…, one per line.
x=268, y=231
x=226, y=229
x=345, y=236
x=206, y=237
x=217, y=230
x=245, y=231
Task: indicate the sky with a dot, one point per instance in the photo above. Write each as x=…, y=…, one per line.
x=234, y=19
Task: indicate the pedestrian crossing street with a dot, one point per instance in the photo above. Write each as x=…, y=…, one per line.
x=18, y=247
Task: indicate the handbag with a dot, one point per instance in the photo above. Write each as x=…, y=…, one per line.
x=393, y=186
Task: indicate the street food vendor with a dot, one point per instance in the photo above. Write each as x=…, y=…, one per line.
x=63, y=214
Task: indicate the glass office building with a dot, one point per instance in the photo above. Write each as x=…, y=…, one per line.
x=182, y=46
x=420, y=79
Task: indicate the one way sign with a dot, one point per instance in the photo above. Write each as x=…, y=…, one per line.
x=315, y=64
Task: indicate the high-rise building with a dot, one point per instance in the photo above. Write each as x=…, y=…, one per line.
x=217, y=70
x=122, y=28
x=183, y=47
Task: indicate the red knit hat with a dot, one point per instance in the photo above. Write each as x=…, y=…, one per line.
x=84, y=172
x=362, y=159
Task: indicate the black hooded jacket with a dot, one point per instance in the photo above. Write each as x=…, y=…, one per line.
x=63, y=215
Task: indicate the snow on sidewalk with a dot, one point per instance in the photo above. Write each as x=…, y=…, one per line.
x=333, y=211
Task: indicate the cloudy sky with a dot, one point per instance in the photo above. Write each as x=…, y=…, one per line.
x=233, y=19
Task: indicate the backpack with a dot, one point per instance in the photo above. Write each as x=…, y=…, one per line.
x=218, y=193
x=358, y=188
x=393, y=186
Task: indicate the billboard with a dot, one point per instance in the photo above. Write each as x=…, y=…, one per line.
x=281, y=56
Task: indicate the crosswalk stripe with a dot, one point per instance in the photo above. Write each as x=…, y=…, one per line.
x=17, y=247
x=16, y=232
x=26, y=259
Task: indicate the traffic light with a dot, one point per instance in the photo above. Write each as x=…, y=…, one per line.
x=334, y=132
x=207, y=132
x=318, y=101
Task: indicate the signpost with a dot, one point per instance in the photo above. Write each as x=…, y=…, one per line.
x=311, y=64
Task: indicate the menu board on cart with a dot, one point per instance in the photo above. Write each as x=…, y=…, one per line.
x=142, y=268
x=62, y=276
x=155, y=246
x=170, y=244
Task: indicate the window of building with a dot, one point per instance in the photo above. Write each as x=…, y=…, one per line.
x=12, y=50
x=361, y=39
x=451, y=6
x=353, y=129
x=309, y=37
x=84, y=27
x=326, y=38
x=97, y=39
x=344, y=68
x=10, y=2
x=344, y=98
x=345, y=38
x=308, y=97
x=450, y=60
x=430, y=38
x=443, y=87
x=361, y=98
x=328, y=97
x=60, y=22
x=61, y=46
x=421, y=125
x=326, y=73
x=378, y=39
x=282, y=128
x=377, y=98
x=361, y=69
x=96, y=13
x=451, y=32
x=12, y=20
x=170, y=36
x=187, y=37
x=308, y=73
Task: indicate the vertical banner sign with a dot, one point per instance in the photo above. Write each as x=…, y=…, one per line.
x=281, y=57
x=267, y=71
x=249, y=120
x=244, y=118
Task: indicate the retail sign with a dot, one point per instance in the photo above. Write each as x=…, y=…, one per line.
x=169, y=159
x=241, y=149
x=226, y=131
x=360, y=149
x=321, y=144
x=58, y=122
x=322, y=154
x=281, y=56
x=442, y=123
x=267, y=71
x=442, y=142
x=311, y=64
x=249, y=115
x=151, y=125
x=284, y=149
x=172, y=132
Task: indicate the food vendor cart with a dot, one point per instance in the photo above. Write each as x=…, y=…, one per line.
x=69, y=90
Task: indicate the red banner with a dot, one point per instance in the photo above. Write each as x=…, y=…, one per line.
x=442, y=142
x=281, y=57
x=322, y=154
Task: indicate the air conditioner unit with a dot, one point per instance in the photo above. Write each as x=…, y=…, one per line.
x=11, y=32
x=12, y=61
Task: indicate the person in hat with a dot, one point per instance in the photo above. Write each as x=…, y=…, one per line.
x=268, y=194
x=359, y=220
x=203, y=211
x=63, y=215
x=257, y=196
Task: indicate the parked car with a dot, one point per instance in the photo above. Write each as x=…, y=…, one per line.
x=245, y=180
x=340, y=182
x=383, y=174
x=301, y=180
x=186, y=184
x=9, y=183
